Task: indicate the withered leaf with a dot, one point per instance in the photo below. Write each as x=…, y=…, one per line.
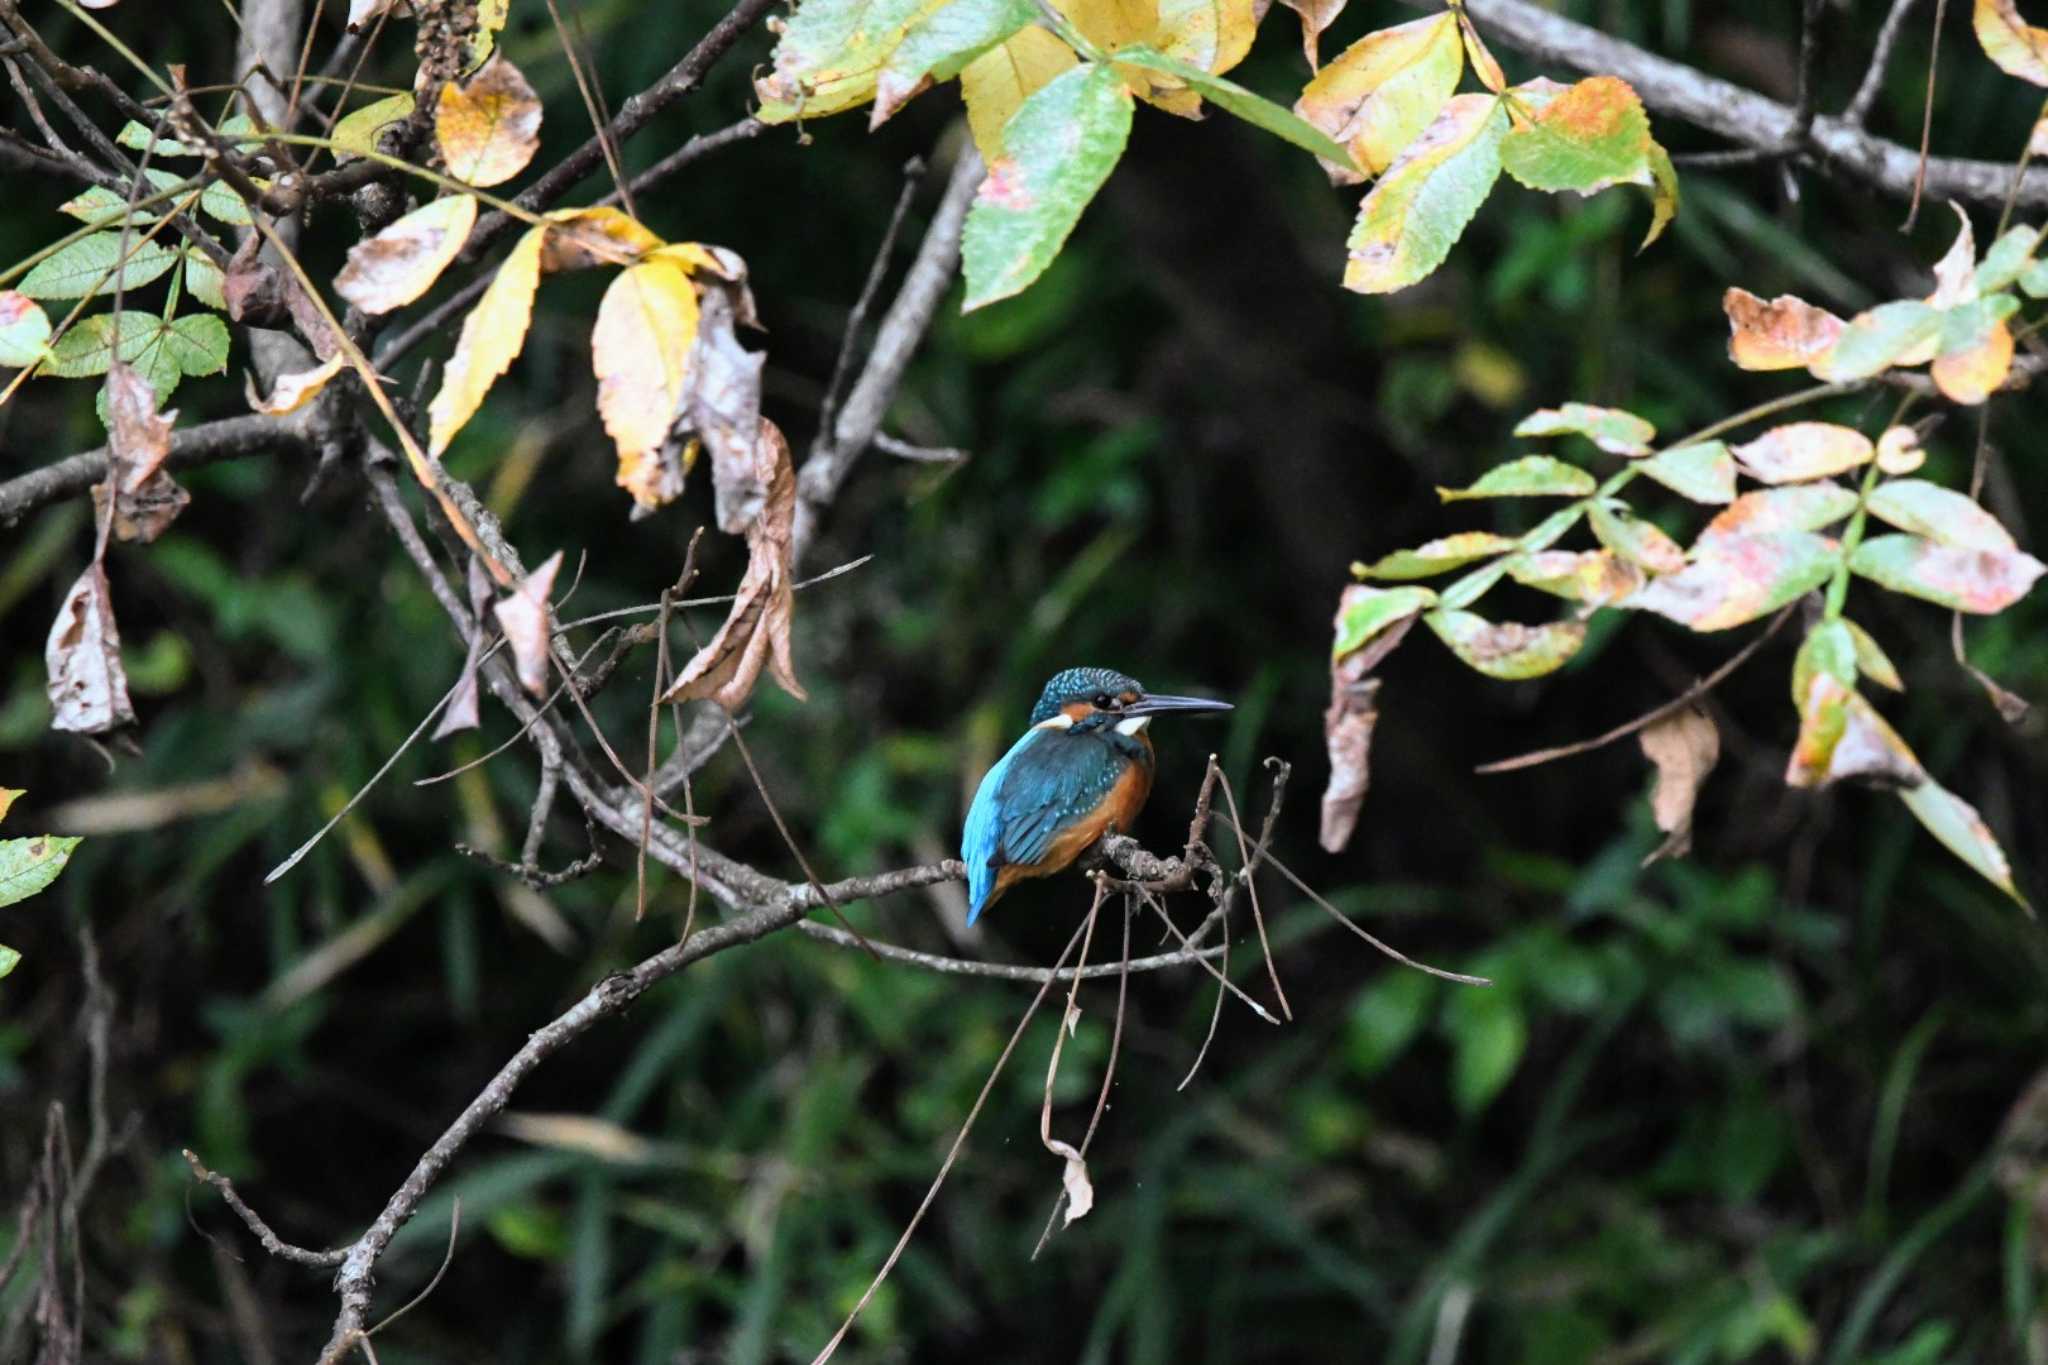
x=722, y=404
x=1842, y=736
x=524, y=618
x=640, y=349
x=464, y=711
x=1684, y=746
x=88, y=687
x=756, y=632
x=402, y=262
x=1349, y=721
x=139, y=497
x=291, y=392
x=1787, y=333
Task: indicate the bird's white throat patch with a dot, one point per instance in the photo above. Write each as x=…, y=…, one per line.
x=1059, y=722
x=1135, y=725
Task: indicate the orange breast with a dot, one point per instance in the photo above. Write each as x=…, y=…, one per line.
x=1117, y=813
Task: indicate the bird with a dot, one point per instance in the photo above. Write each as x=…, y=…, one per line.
x=1082, y=770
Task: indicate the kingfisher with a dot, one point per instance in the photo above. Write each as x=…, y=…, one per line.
x=1081, y=771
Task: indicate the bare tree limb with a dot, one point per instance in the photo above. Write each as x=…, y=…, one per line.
x=223, y=440
x=1858, y=112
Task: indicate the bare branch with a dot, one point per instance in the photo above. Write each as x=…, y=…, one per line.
x=1858, y=112
x=226, y=439
x=272, y=1243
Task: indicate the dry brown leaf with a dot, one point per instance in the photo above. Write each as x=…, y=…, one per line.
x=402, y=262
x=1684, y=746
x=756, y=632
x=139, y=495
x=88, y=687
x=1786, y=333
x=640, y=348
x=523, y=616
x=1955, y=274
x=464, y=711
x=1348, y=725
x=488, y=127
x=293, y=391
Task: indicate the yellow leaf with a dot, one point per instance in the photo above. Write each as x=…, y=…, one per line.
x=1383, y=91
x=2016, y=46
x=1212, y=34
x=1786, y=333
x=357, y=133
x=1483, y=65
x=1316, y=15
x=1111, y=24
x=402, y=262
x=999, y=80
x=293, y=391
x=640, y=349
x=594, y=236
x=491, y=337
x=1419, y=208
x=488, y=127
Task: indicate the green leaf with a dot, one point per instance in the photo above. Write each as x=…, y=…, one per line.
x=1829, y=648
x=87, y=348
x=2007, y=259
x=1737, y=578
x=134, y=135
x=1612, y=429
x=1638, y=541
x=357, y=132
x=100, y=205
x=1968, y=325
x=1531, y=476
x=1058, y=149
x=1439, y=556
x=1872, y=661
x=87, y=267
x=221, y=202
x=1585, y=137
x=9, y=960
x=831, y=53
x=1488, y=1034
x=1972, y=580
x=2035, y=280
x=1887, y=335
x=1233, y=98
x=1507, y=650
x=1962, y=831
x=1419, y=208
x=197, y=344
x=941, y=45
x=24, y=329
x=1940, y=514
x=1368, y=611
x=204, y=280
x=29, y=865
x=1387, y=1017
x=1703, y=472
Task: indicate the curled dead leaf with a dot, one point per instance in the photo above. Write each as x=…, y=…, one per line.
x=464, y=711
x=293, y=391
x=580, y=238
x=1684, y=746
x=1842, y=736
x=721, y=403
x=524, y=618
x=88, y=687
x=139, y=496
x=756, y=632
x=1348, y=722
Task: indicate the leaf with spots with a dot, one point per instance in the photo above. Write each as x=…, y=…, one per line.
x=1420, y=207
x=831, y=54
x=1584, y=137
x=1841, y=736
x=1507, y=649
x=88, y=687
x=1738, y=578
x=1940, y=514
x=402, y=262
x=1980, y=581
x=1593, y=578
x=28, y=866
x=1381, y=93
x=1800, y=507
x=1612, y=429
x=1976, y=349
x=943, y=44
x=1787, y=333
x=24, y=330
x=488, y=126
x=1057, y=151
x=640, y=348
x=1638, y=541
x=1439, y=556
x=1804, y=450
x=996, y=84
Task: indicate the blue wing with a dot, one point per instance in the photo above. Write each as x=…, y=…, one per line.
x=1046, y=781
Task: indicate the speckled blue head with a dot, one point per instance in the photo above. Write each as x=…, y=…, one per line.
x=1080, y=684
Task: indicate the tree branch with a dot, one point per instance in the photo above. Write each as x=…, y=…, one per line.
x=223, y=440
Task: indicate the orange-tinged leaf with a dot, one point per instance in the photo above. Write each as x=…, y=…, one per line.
x=756, y=632
x=1842, y=736
x=1507, y=649
x=997, y=82
x=1737, y=578
x=492, y=336
x=1975, y=372
x=402, y=262
x=1799, y=507
x=1684, y=746
x=1583, y=138
x=293, y=391
x=1635, y=540
x=1483, y=65
x=523, y=616
x=1380, y=94
x=1596, y=578
x=640, y=347
x=2016, y=46
x=1419, y=208
x=488, y=127
x=1787, y=333
x=1899, y=452
x=1804, y=450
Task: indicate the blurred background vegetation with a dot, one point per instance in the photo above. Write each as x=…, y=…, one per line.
x=1743, y=1106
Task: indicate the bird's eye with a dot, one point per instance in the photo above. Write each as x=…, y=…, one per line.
x=1104, y=702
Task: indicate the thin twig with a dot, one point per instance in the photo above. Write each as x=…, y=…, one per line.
x=1926, y=117
x=272, y=1243
x=856, y=321
x=1858, y=112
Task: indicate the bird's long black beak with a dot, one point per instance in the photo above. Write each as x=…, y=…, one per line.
x=1159, y=706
